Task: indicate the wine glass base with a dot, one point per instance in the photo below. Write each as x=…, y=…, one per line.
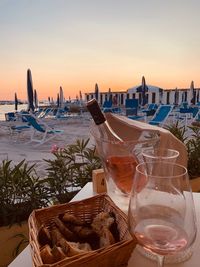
x=170, y=259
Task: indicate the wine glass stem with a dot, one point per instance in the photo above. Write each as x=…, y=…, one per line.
x=160, y=260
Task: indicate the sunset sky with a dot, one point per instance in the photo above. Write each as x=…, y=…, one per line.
x=77, y=43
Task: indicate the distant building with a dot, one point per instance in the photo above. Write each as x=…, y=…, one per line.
x=153, y=94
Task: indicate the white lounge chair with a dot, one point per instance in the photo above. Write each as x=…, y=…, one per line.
x=41, y=132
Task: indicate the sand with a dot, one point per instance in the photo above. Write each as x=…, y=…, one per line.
x=17, y=149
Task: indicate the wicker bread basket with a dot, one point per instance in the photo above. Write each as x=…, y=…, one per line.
x=114, y=255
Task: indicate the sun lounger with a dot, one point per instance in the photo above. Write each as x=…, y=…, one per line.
x=161, y=115
x=41, y=132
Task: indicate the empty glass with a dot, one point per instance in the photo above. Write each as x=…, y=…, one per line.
x=160, y=154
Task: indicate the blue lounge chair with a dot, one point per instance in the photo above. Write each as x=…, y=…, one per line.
x=131, y=106
x=107, y=106
x=161, y=115
x=44, y=113
x=196, y=119
x=150, y=110
x=18, y=130
x=187, y=115
x=10, y=116
x=62, y=113
x=192, y=111
x=41, y=132
x=16, y=125
x=144, y=113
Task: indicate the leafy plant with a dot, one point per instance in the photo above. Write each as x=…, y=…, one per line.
x=178, y=130
x=190, y=136
x=21, y=191
x=193, y=148
x=71, y=169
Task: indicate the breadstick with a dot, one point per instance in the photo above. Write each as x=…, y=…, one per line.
x=69, y=218
x=58, y=253
x=56, y=236
x=83, y=232
x=44, y=236
x=46, y=255
x=64, y=230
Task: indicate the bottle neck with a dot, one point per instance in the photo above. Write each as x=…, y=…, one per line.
x=107, y=132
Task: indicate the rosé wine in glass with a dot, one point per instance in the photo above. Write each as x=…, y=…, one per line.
x=161, y=214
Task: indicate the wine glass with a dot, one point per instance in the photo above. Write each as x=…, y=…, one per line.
x=167, y=155
x=160, y=154
x=161, y=209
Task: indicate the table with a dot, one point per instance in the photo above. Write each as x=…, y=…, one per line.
x=136, y=260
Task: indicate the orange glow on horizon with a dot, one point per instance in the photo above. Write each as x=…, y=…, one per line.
x=50, y=88
x=47, y=83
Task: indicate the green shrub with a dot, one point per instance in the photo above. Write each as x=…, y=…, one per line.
x=21, y=191
x=71, y=169
x=193, y=148
x=190, y=136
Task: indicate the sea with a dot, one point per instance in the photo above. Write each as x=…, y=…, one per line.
x=10, y=108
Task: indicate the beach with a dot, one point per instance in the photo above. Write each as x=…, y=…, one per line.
x=17, y=149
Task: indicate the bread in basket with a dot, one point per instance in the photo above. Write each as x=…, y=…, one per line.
x=116, y=254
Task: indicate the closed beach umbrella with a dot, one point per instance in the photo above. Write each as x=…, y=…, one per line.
x=176, y=97
x=16, y=101
x=96, y=92
x=115, y=100
x=194, y=98
x=198, y=96
x=183, y=96
x=192, y=93
x=109, y=95
x=61, y=97
x=80, y=95
x=58, y=100
x=144, y=90
x=30, y=90
x=160, y=95
x=35, y=99
x=185, y=99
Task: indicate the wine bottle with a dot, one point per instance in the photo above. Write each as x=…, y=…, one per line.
x=119, y=160
x=104, y=128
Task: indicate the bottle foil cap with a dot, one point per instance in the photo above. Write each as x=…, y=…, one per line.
x=95, y=111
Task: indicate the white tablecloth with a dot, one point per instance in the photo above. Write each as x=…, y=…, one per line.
x=136, y=260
